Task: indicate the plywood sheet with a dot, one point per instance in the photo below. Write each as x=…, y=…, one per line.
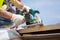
x=41, y=28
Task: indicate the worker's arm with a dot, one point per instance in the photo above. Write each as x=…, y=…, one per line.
x=5, y=14
x=17, y=19
x=19, y=5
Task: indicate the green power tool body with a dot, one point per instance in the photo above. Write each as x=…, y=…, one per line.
x=29, y=16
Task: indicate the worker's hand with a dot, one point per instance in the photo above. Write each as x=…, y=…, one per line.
x=18, y=19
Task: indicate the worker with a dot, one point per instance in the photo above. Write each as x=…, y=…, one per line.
x=18, y=19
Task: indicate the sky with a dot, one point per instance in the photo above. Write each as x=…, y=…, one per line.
x=49, y=10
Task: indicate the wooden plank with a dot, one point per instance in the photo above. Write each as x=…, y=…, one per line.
x=42, y=28
x=54, y=36
x=41, y=35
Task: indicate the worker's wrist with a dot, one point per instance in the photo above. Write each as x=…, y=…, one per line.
x=13, y=16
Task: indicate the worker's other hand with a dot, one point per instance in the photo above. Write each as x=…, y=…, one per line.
x=27, y=8
x=18, y=19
